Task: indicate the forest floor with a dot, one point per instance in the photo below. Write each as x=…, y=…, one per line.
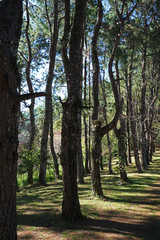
x=130, y=211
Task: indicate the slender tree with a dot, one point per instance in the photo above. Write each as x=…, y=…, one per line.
x=48, y=99
x=30, y=87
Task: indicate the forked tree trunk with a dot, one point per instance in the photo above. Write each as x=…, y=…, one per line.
x=71, y=108
x=10, y=26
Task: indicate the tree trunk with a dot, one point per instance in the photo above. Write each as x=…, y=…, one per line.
x=80, y=167
x=96, y=157
x=70, y=206
x=132, y=118
x=54, y=155
x=96, y=148
x=31, y=107
x=10, y=26
x=48, y=99
x=70, y=121
x=128, y=136
x=84, y=115
x=106, y=121
x=143, y=103
x=120, y=134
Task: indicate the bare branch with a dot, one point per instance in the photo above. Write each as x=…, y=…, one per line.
x=30, y=96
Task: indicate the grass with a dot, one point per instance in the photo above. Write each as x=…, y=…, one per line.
x=130, y=211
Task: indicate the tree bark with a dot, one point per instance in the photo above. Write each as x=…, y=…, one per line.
x=70, y=126
x=96, y=148
x=10, y=27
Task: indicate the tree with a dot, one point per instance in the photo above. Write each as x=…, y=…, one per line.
x=96, y=148
x=70, y=126
x=48, y=99
x=10, y=28
x=30, y=87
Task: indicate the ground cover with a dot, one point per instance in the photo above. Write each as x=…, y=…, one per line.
x=128, y=212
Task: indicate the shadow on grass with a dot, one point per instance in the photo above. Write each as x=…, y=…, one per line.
x=148, y=229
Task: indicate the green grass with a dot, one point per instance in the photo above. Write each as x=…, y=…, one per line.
x=128, y=211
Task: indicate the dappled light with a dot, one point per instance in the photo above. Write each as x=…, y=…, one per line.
x=130, y=211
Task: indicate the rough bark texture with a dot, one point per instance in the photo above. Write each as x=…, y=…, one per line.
x=80, y=167
x=10, y=26
x=70, y=126
x=120, y=134
x=48, y=99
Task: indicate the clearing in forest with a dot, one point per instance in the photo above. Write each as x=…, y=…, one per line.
x=129, y=212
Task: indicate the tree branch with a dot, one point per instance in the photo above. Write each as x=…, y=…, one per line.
x=30, y=96
x=112, y=124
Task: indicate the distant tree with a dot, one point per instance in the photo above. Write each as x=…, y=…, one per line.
x=10, y=28
x=48, y=100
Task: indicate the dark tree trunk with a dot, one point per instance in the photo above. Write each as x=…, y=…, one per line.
x=96, y=157
x=120, y=134
x=70, y=122
x=80, y=167
x=48, y=99
x=70, y=206
x=96, y=148
x=10, y=26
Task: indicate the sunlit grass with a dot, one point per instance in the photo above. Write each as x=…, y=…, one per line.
x=138, y=201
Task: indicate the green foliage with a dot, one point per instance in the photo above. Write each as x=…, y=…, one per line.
x=28, y=158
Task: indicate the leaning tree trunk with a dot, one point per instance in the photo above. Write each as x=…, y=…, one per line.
x=10, y=26
x=70, y=125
